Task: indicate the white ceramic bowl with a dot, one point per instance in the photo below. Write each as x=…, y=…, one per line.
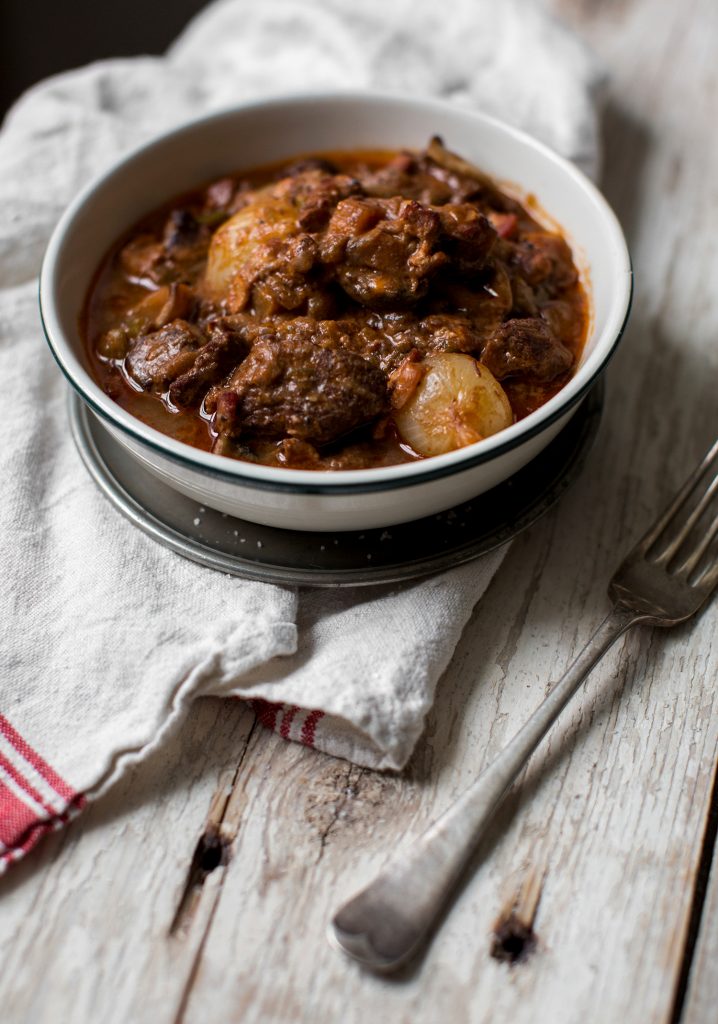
x=259, y=133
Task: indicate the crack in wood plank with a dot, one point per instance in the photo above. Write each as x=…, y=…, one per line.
x=348, y=790
x=213, y=848
x=222, y=823
x=514, y=938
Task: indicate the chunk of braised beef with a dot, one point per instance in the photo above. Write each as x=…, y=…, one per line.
x=386, y=339
x=292, y=386
x=388, y=344
x=475, y=308
x=383, y=251
x=224, y=350
x=383, y=339
x=316, y=194
x=523, y=297
x=160, y=357
x=467, y=237
x=449, y=333
x=526, y=348
x=417, y=177
x=561, y=318
x=387, y=251
x=544, y=259
x=287, y=280
x=401, y=177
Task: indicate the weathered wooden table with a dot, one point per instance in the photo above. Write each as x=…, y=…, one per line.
x=602, y=854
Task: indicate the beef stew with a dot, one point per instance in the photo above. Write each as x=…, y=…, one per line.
x=340, y=311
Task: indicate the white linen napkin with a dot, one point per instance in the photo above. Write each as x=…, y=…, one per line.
x=108, y=636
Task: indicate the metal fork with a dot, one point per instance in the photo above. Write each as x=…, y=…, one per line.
x=665, y=579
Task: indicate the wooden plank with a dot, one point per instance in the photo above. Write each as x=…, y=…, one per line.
x=595, y=854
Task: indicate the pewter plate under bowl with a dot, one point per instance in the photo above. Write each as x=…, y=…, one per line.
x=356, y=559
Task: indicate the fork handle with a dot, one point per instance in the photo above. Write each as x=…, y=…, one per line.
x=386, y=923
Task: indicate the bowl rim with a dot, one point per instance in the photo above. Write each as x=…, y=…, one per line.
x=283, y=479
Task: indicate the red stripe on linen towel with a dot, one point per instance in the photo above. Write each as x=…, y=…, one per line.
x=24, y=784
x=286, y=727
x=266, y=712
x=310, y=727
x=280, y=718
x=39, y=764
x=16, y=816
x=25, y=814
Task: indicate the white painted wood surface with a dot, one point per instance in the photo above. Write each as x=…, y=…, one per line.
x=600, y=845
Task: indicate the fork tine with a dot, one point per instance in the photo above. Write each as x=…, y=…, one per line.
x=659, y=527
x=673, y=548
x=692, y=561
